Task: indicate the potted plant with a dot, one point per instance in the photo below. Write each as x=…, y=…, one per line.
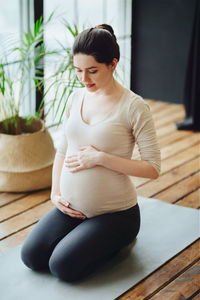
x=26, y=147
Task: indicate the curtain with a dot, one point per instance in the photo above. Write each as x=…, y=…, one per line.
x=192, y=81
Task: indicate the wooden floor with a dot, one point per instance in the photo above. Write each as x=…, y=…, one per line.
x=178, y=184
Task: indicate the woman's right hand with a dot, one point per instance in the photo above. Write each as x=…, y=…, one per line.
x=63, y=206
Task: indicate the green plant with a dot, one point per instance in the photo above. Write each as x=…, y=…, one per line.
x=30, y=55
x=63, y=80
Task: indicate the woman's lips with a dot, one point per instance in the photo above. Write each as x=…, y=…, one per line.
x=89, y=85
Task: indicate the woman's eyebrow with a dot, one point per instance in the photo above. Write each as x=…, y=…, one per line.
x=91, y=68
x=87, y=68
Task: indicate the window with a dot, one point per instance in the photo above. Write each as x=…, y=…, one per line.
x=15, y=19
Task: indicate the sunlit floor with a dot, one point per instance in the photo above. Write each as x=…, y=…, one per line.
x=179, y=183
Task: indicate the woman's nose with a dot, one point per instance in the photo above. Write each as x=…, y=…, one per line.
x=85, y=77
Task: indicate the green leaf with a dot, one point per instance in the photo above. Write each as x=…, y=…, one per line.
x=37, y=114
x=27, y=39
x=29, y=120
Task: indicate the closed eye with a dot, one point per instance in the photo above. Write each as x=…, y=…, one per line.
x=92, y=72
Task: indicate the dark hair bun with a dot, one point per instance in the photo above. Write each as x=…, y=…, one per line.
x=100, y=42
x=108, y=28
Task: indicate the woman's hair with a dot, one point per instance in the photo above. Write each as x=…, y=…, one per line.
x=100, y=42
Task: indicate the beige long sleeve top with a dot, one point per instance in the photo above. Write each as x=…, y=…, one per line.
x=100, y=190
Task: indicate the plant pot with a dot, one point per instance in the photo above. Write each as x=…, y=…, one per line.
x=26, y=160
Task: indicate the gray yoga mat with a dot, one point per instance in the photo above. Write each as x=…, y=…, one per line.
x=166, y=229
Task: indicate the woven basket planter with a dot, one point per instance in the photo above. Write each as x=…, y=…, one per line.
x=26, y=160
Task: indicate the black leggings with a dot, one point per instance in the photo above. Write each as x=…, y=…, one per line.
x=72, y=248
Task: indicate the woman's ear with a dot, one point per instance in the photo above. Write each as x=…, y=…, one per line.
x=114, y=63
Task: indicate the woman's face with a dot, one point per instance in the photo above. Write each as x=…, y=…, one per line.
x=95, y=76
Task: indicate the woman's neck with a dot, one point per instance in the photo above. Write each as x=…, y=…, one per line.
x=112, y=90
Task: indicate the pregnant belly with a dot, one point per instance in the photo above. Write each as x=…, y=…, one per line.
x=96, y=190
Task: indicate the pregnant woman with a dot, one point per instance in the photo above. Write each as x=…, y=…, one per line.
x=96, y=211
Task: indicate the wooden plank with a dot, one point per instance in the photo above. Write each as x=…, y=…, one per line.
x=6, y=198
x=180, y=189
x=172, y=138
x=166, y=112
x=172, y=117
x=171, y=163
x=24, y=220
x=164, y=275
x=180, y=158
x=182, y=287
x=197, y=297
x=178, y=146
x=166, y=130
x=152, y=188
x=157, y=107
x=14, y=240
x=23, y=204
x=152, y=102
x=192, y=200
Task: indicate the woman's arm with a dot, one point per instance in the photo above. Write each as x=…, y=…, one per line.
x=89, y=157
x=56, y=172
x=56, y=198
x=60, y=154
x=138, y=168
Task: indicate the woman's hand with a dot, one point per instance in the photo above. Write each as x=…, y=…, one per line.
x=63, y=206
x=88, y=157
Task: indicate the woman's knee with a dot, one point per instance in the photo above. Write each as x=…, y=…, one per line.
x=27, y=256
x=31, y=256
x=65, y=269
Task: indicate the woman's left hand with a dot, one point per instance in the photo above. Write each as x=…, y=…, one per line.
x=86, y=158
